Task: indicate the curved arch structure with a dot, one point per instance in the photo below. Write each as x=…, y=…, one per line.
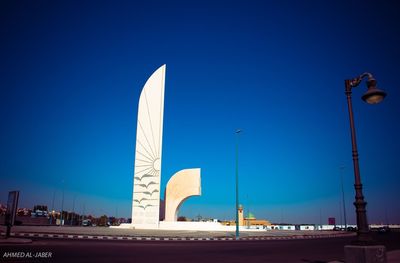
x=181, y=186
x=147, y=173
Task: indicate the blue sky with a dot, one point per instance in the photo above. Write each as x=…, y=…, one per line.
x=71, y=73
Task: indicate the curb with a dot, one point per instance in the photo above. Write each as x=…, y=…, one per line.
x=143, y=238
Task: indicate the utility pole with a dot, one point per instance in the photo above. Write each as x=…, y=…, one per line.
x=237, y=184
x=52, y=207
x=62, y=205
x=73, y=210
x=343, y=201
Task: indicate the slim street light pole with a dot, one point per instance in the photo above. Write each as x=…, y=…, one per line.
x=62, y=205
x=372, y=96
x=320, y=217
x=73, y=210
x=237, y=184
x=83, y=213
x=340, y=214
x=52, y=207
x=344, y=203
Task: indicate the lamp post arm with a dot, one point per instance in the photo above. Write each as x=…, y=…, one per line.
x=356, y=81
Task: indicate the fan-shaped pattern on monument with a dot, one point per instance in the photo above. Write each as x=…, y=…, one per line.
x=149, y=127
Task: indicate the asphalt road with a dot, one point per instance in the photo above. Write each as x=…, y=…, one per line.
x=312, y=250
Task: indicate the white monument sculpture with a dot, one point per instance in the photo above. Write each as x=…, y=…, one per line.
x=147, y=172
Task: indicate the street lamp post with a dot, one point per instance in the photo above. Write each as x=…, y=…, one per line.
x=372, y=96
x=52, y=208
x=73, y=211
x=237, y=184
x=62, y=204
x=343, y=199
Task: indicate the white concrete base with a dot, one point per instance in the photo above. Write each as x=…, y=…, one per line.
x=189, y=226
x=365, y=254
x=200, y=226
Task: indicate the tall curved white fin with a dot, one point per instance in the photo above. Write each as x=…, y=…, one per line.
x=147, y=172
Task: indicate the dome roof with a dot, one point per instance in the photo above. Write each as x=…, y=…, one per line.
x=250, y=216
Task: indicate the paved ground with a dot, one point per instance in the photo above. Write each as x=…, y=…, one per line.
x=114, y=246
x=308, y=250
x=197, y=251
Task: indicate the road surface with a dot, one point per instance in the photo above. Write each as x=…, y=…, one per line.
x=310, y=250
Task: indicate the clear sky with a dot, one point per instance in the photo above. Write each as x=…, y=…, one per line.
x=71, y=73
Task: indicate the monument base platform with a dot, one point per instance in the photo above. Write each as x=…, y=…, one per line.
x=189, y=226
x=365, y=254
